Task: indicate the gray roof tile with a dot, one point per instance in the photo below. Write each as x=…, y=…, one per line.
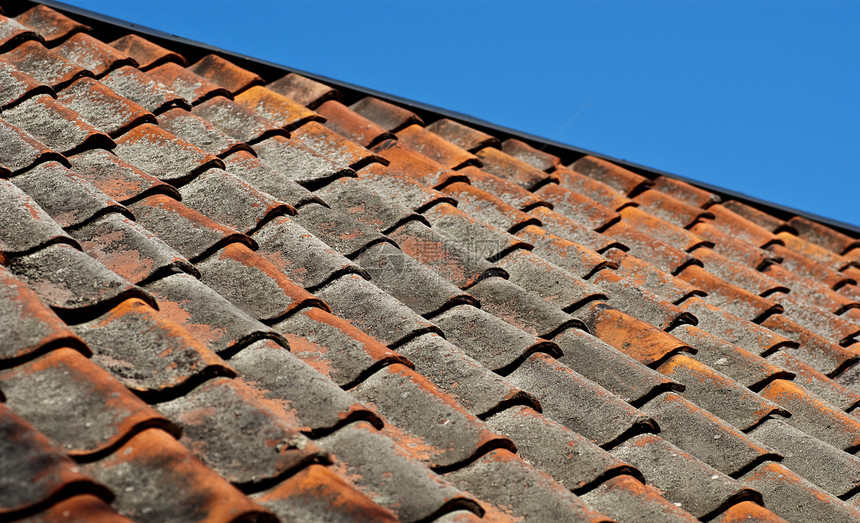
x=262, y=444
x=689, y=483
x=572, y=400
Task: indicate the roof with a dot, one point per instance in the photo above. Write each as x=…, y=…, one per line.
x=235, y=294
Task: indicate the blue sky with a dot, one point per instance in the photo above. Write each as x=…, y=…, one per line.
x=760, y=97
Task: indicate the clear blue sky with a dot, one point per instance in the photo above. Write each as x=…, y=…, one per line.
x=761, y=97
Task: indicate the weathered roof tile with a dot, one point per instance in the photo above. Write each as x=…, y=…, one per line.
x=572, y=400
x=146, y=53
x=50, y=24
x=129, y=250
x=77, y=404
x=93, y=55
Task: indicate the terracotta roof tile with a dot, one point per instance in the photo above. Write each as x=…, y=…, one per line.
x=80, y=508
x=30, y=58
x=509, y=168
x=141, y=89
x=462, y=136
x=207, y=315
x=172, y=363
x=387, y=115
x=486, y=206
x=93, y=55
x=391, y=477
x=647, y=276
x=412, y=283
x=300, y=255
x=626, y=498
x=305, y=91
x=367, y=205
x=618, y=329
x=479, y=237
x=373, y=311
x=335, y=347
x=527, y=492
x=146, y=53
x=510, y=302
x=339, y=230
x=93, y=288
x=748, y=369
x=695, y=196
x=572, y=400
x=622, y=180
x=129, y=250
x=436, y=148
x=822, y=235
x=277, y=183
x=17, y=86
x=719, y=394
x=406, y=400
x=411, y=164
x=349, y=124
x=758, y=217
x=814, y=416
x=191, y=87
x=795, y=498
x=565, y=455
x=215, y=412
x=477, y=389
x=683, y=480
x=77, y=404
x=192, y=234
x=253, y=208
x=831, y=390
x=102, y=108
x=27, y=325
x=12, y=33
x=333, y=146
x=154, y=476
x=578, y=260
x=24, y=225
x=316, y=491
x=315, y=403
x=734, y=330
x=493, y=327
x=254, y=284
x=810, y=457
x=577, y=207
x=748, y=511
x=728, y=297
x=403, y=190
x=161, y=154
x=664, y=256
x=448, y=257
x=56, y=126
x=610, y=368
x=591, y=188
x=640, y=303
x=279, y=109
x=477, y=333
x=70, y=200
x=50, y=24
x=199, y=132
x=695, y=430
x=224, y=73
x=535, y=157
x=549, y=281
x=236, y=120
x=36, y=471
x=299, y=163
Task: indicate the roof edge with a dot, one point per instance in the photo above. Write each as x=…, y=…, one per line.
x=567, y=152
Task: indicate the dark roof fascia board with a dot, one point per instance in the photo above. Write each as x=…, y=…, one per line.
x=567, y=152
